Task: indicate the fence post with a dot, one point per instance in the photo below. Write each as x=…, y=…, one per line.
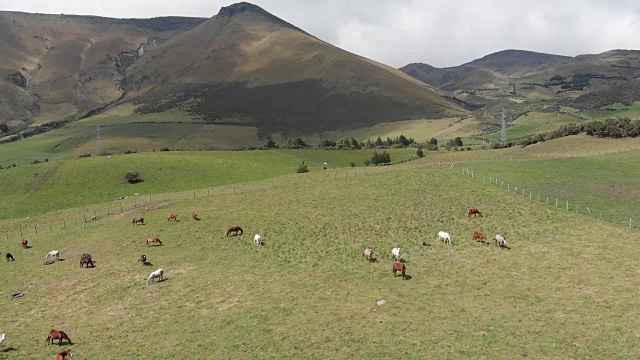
x=194, y=193
x=529, y=195
x=567, y=205
x=149, y=198
x=36, y=228
x=20, y=230
x=501, y=185
x=85, y=218
x=629, y=223
x=6, y=233
x=234, y=188
x=120, y=208
x=522, y=192
x=64, y=224
x=49, y=227
x=556, y=202
x=108, y=214
x=207, y=192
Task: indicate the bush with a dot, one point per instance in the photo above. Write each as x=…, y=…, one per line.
x=165, y=149
x=270, y=144
x=352, y=164
x=85, y=155
x=367, y=162
x=133, y=178
x=303, y=168
x=36, y=161
x=130, y=152
x=384, y=158
x=420, y=153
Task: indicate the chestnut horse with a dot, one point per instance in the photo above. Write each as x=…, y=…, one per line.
x=194, y=215
x=478, y=236
x=234, y=230
x=24, y=243
x=154, y=241
x=63, y=354
x=399, y=267
x=138, y=220
x=474, y=212
x=173, y=217
x=60, y=335
x=86, y=261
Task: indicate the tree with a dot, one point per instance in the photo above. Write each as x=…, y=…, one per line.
x=270, y=144
x=403, y=140
x=4, y=127
x=367, y=162
x=420, y=153
x=433, y=141
x=378, y=141
x=303, y=168
x=133, y=178
x=352, y=164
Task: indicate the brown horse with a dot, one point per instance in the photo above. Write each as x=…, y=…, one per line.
x=63, y=354
x=234, y=230
x=173, y=217
x=85, y=260
x=138, y=220
x=143, y=259
x=474, y=212
x=399, y=267
x=154, y=241
x=194, y=215
x=478, y=236
x=25, y=243
x=60, y=335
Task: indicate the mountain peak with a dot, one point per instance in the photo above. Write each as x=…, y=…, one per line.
x=240, y=8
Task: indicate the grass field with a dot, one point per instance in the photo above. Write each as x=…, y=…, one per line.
x=309, y=294
x=33, y=189
x=535, y=123
x=615, y=110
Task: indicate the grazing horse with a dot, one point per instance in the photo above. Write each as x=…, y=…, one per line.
x=368, y=254
x=501, y=241
x=474, y=212
x=138, y=220
x=395, y=254
x=2, y=337
x=25, y=243
x=194, y=215
x=86, y=261
x=60, y=335
x=143, y=259
x=53, y=254
x=173, y=217
x=234, y=229
x=156, y=274
x=94, y=218
x=478, y=236
x=9, y=257
x=154, y=241
x=258, y=240
x=63, y=354
x=399, y=267
x=444, y=236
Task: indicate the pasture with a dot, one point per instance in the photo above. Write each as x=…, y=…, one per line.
x=308, y=293
x=534, y=123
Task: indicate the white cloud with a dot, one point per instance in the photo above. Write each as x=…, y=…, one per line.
x=397, y=32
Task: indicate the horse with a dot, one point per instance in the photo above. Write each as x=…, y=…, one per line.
x=138, y=220
x=474, y=212
x=478, y=236
x=258, y=240
x=53, y=253
x=395, y=254
x=501, y=241
x=399, y=267
x=63, y=354
x=86, y=260
x=194, y=215
x=60, y=335
x=234, y=229
x=368, y=254
x=25, y=243
x=156, y=274
x=143, y=259
x=9, y=257
x=153, y=241
x=2, y=337
x=444, y=236
x=94, y=218
x=173, y=217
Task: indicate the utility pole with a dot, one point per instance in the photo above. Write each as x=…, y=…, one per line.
x=503, y=136
x=98, y=142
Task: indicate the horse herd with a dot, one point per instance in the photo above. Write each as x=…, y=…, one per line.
x=396, y=254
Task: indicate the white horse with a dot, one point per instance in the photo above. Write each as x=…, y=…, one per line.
x=395, y=253
x=368, y=254
x=444, y=236
x=53, y=254
x=2, y=337
x=501, y=241
x=156, y=274
x=258, y=240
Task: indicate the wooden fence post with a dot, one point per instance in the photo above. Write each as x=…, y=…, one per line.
x=120, y=208
x=64, y=224
x=556, y=202
x=36, y=228
x=85, y=218
x=20, y=230
x=194, y=194
x=567, y=205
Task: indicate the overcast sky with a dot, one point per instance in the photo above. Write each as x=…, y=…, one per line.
x=398, y=32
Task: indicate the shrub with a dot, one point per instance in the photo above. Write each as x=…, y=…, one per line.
x=383, y=158
x=352, y=164
x=130, y=152
x=85, y=155
x=270, y=144
x=165, y=149
x=133, y=178
x=303, y=168
x=420, y=153
x=36, y=161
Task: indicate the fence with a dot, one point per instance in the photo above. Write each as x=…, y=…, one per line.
x=542, y=197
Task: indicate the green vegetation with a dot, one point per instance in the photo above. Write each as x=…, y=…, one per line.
x=534, y=123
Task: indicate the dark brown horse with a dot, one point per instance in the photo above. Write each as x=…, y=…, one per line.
x=399, y=267
x=173, y=217
x=60, y=335
x=85, y=260
x=143, y=259
x=25, y=243
x=154, y=241
x=478, y=236
x=138, y=220
x=234, y=230
x=474, y=212
x=9, y=257
x=194, y=215
x=63, y=354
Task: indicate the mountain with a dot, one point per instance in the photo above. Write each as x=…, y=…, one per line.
x=243, y=66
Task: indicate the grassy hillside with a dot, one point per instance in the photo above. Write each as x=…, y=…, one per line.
x=535, y=123
x=31, y=190
x=309, y=294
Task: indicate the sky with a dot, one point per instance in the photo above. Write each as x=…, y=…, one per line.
x=397, y=32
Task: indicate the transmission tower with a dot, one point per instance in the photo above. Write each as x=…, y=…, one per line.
x=503, y=136
x=98, y=144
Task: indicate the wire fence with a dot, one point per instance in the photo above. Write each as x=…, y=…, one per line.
x=546, y=198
